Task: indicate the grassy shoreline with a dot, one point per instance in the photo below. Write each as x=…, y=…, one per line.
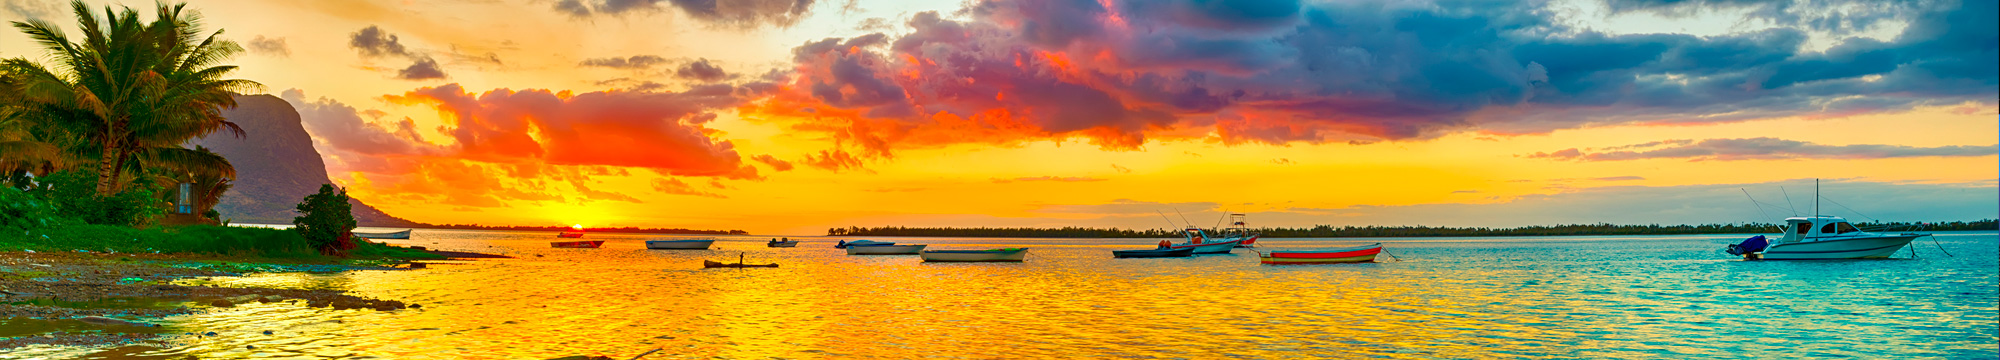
x=94, y=285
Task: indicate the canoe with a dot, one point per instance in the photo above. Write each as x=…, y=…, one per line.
x=1249, y=243
x=1356, y=254
x=788, y=243
x=570, y=234
x=844, y=243
x=405, y=234
x=691, y=244
x=992, y=255
x=1153, y=253
x=708, y=264
x=577, y=244
x=885, y=250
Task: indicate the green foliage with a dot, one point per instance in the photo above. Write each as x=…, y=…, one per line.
x=73, y=193
x=325, y=219
x=197, y=239
x=20, y=211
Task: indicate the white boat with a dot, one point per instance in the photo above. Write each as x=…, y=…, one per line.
x=1202, y=243
x=1832, y=237
x=993, y=255
x=885, y=249
x=843, y=244
x=684, y=244
x=1822, y=237
x=405, y=234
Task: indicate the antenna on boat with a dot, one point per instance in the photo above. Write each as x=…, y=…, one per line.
x=1788, y=201
x=1218, y=219
x=1177, y=211
x=1170, y=221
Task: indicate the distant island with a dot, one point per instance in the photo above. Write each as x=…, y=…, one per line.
x=1386, y=231
x=628, y=229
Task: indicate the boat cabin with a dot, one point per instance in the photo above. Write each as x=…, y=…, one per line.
x=1817, y=227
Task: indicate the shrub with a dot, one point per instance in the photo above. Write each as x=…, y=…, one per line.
x=74, y=193
x=20, y=211
x=325, y=220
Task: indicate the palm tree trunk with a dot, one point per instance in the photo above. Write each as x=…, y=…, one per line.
x=107, y=165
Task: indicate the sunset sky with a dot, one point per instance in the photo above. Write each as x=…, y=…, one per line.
x=792, y=116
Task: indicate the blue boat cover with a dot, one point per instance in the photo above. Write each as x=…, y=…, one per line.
x=1753, y=244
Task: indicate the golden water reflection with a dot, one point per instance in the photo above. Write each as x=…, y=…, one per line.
x=1451, y=299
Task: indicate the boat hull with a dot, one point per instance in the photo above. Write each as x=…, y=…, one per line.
x=1218, y=247
x=679, y=244
x=405, y=234
x=782, y=244
x=886, y=250
x=1358, y=254
x=846, y=244
x=1874, y=247
x=569, y=235
x=1015, y=255
x=577, y=244
x=1156, y=253
x=707, y=264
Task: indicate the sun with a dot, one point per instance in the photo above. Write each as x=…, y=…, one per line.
x=576, y=226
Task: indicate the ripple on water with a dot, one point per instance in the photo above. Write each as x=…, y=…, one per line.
x=1574, y=297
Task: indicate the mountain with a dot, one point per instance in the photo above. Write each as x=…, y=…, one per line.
x=276, y=165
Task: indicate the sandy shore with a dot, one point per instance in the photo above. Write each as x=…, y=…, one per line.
x=43, y=288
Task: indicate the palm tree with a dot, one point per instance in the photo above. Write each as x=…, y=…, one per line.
x=129, y=88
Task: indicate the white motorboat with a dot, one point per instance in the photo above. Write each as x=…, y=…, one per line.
x=1822, y=237
x=1829, y=238
x=885, y=249
x=1202, y=243
x=683, y=244
x=843, y=244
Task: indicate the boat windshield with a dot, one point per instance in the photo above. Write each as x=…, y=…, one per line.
x=1847, y=228
x=1802, y=228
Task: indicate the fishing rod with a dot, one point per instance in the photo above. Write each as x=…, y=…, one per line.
x=1760, y=206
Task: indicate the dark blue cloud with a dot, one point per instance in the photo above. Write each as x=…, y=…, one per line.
x=1281, y=71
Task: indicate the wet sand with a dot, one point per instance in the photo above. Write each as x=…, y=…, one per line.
x=100, y=299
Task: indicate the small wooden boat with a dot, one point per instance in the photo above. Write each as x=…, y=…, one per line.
x=405, y=234
x=782, y=243
x=1154, y=253
x=1356, y=254
x=885, y=249
x=688, y=244
x=844, y=243
x=992, y=255
x=577, y=244
x=710, y=264
x=570, y=234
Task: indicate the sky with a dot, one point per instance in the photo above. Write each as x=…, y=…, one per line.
x=793, y=116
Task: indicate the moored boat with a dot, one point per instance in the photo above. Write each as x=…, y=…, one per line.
x=787, y=242
x=710, y=264
x=590, y=244
x=684, y=244
x=991, y=255
x=844, y=243
x=405, y=234
x=1355, y=254
x=1821, y=237
x=1152, y=253
x=885, y=249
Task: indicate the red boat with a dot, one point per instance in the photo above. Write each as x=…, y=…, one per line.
x=577, y=244
x=1357, y=254
x=570, y=234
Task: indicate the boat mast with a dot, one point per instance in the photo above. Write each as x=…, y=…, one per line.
x=1815, y=197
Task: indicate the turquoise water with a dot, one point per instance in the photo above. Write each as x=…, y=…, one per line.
x=1540, y=297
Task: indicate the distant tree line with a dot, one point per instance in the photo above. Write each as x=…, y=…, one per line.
x=1394, y=231
x=627, y=229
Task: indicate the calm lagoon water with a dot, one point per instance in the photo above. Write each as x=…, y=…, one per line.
x=1541, y=297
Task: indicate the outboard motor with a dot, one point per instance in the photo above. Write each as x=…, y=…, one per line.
x=1749, y=246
